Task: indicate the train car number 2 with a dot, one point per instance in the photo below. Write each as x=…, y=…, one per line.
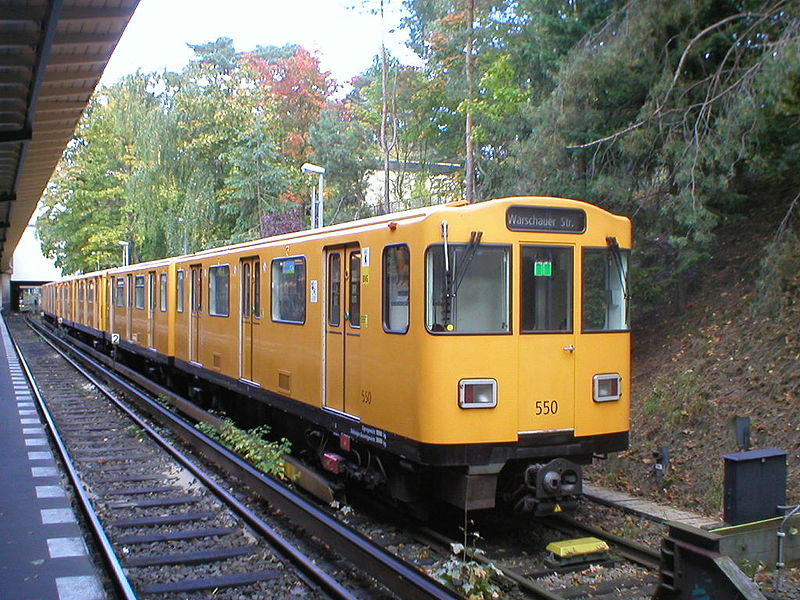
x=546, y=407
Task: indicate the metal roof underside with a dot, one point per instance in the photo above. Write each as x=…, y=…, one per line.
x=52, y=54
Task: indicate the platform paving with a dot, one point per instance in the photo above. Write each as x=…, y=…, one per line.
x=646, y=508
x=43, y=553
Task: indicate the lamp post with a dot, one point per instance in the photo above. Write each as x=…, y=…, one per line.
x=316, y=205
x=126, y=253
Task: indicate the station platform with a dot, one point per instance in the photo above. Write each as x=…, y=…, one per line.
x=650, y=510
x=43, y=553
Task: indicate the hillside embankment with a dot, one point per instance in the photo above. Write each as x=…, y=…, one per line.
x=731, y=350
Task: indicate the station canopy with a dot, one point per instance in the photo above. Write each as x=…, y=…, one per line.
x=52, y=54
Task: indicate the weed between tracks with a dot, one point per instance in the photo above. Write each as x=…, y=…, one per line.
x=253, y=445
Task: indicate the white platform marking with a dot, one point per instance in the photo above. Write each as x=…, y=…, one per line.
x=79, y=588
x=50, y=491
x=55, y=516
x=44, y=472
x=66, y=547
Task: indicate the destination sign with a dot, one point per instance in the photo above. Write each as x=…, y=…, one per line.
x=545, y=219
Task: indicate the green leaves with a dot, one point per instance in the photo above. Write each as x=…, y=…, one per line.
x=177, y=162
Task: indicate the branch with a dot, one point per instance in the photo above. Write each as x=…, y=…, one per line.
x=674, y=81
x=785, y=222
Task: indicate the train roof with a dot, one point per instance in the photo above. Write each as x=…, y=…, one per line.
x=414, y=214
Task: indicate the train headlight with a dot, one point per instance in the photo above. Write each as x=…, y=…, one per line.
x=607, y=387
x=477, y=393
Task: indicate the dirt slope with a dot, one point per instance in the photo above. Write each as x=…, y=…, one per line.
x=724, y=355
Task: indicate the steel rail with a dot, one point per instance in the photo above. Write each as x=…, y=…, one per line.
x=394, y=573
x=526, y=584
x=633, y=551
x=106, y=549
x=306, y=565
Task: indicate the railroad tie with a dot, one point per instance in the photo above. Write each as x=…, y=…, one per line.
x=209, y=583
x=190, y=558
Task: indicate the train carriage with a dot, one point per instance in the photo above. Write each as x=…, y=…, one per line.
x=473, y=353
x=140, y=320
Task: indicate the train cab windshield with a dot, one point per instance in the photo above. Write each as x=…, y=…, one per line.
x=469, y=294
x=605, y=289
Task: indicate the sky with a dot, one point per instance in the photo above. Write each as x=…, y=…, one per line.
x=346, y=39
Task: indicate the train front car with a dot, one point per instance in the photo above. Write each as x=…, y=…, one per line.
x=523, y=370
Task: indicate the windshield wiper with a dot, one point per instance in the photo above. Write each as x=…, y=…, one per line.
x=453, y=273
x=616, y=254
x=469, y=254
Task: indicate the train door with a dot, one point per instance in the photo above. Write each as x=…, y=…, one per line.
x=250, y=315
x=196, y=303
x=343, y=328
x=547, y=338
x=151, y=309
x=130, y=305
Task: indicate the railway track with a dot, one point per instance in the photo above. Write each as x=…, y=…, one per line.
x=516, y=546
x=525, y=576
x=167, y=527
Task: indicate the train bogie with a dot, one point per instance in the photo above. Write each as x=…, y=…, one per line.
x=467, y=352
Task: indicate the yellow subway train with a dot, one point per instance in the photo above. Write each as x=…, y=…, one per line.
x=478, y=354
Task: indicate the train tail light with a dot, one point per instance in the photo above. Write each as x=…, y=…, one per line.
x=477, y=393
x=607, y=387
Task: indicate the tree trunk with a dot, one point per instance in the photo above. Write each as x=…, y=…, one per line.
x=470, y=156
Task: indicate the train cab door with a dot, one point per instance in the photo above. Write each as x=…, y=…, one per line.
x=547, y=338
x=343, y=328
x=250, y=315
x=151, y=309
x=196, y=304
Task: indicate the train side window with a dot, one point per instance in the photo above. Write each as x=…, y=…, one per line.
x=470, y=292
x=152, y=291
x=181, y=290
x=547, y=289
x=334, y=290
x=289, y=290
x=139, y=291
x=219, y=290
x=163, y=286
x=605, y=285
x=246, y=288
x=257, y=289
x=354, y=299
x=121, y=292
x=197, y=290
x=395, y=288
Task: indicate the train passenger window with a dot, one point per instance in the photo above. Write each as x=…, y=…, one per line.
x=139, y=291
x=257, y=289
x=121, y=291
x=354, y=299
x=395, y=288
x=247, y=305
x=289, y=290
x=334, y=290
x=219, y=290
x=197, y=289
x=468, y=293
x=152, y=290
x=181, y=290
x=605, y=285
x=546, y=287
x=163, y=286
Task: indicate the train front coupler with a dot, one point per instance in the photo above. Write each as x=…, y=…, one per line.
x=550, y=488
